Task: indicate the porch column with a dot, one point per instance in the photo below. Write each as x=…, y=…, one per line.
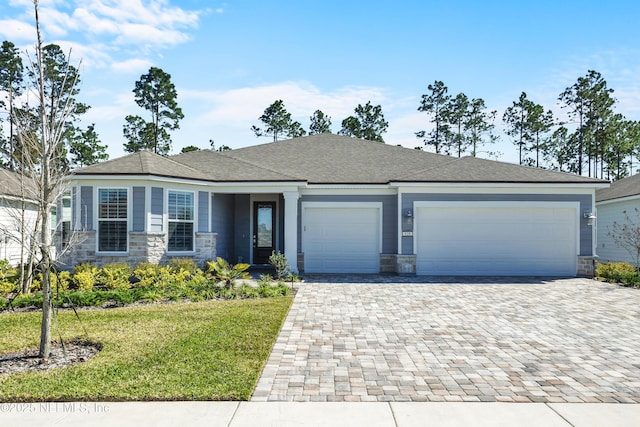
x=291, y=228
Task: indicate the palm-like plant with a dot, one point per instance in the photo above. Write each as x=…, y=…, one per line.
x=221, y=271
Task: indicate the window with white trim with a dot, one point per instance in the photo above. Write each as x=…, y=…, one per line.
x=112, y=220
x=181, y=223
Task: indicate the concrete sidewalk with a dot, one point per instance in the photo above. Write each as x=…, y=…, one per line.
x=369, y=414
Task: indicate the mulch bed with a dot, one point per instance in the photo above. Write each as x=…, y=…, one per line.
x=25, y=361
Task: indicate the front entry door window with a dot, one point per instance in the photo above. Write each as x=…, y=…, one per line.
x=263, y=231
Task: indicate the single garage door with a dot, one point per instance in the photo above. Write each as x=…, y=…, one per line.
x=341, y=238
x=496, y=240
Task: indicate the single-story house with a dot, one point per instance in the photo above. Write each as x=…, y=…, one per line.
x=335, y=204
x=611, y=204
x=18, y=214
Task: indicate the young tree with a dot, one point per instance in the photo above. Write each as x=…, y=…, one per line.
x=157, y=94
x=368, y=123
x=435, y=104
x=626, y=234
x=45, y=169
x=11, y=83
x=456, y=112
x=277, y=122
x=320, y=123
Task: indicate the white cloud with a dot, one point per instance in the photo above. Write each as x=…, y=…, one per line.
x=131, y=66
x=301, y=99
x=128, y=28
x=16, y=30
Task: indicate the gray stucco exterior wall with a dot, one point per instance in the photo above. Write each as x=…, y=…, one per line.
x=389, y=216
x=585, y=200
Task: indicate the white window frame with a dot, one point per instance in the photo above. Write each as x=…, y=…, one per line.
x=98, y=219
x=194, y=212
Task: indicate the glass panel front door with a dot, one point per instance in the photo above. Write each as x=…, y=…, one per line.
x=263, y=231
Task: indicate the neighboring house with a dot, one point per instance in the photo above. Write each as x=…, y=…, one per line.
x=18, y=213
x=336, y=204
x=611, y=203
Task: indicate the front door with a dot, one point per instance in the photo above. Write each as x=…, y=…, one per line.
x=264, y=241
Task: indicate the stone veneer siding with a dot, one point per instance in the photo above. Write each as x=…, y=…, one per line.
x=587, y=266
x=143, y=247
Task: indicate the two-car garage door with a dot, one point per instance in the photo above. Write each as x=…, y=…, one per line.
x=495, y=239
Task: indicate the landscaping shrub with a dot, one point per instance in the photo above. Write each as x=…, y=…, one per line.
x=618, y=272
x=114, y=276
x=84, y=277
x=185, y=264
x=221, y=271
x=7, y=278
x=280, y=263
x=63, y=280
x=153, y=276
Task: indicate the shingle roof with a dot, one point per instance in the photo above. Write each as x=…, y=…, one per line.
x=142, y=163
x=336, y=159
x=12, y=185
x=626, y=187
x=327, y=159
x=474, y=170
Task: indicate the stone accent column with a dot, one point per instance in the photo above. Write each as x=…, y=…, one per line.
x=205, y=248
x=406, y=265
x=291, y=228
x=146, y=247
x=587, y=266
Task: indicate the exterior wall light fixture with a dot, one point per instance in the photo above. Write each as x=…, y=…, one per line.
x=590, y=217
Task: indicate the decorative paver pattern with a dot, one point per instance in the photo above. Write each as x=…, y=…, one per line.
x=507, y=340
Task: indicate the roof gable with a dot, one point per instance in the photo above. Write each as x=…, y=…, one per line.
x=627, y=187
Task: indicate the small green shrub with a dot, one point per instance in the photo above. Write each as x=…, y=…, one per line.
x=114, y=276
x=280, y=263
x=618, y=272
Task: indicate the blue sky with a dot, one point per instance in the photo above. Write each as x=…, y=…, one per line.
x=230, y=60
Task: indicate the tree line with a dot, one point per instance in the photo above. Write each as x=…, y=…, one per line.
x=590, y=139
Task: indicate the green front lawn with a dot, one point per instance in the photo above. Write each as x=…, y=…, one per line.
x=211, y=350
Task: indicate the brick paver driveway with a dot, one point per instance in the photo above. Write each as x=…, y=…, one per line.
x=526, y=340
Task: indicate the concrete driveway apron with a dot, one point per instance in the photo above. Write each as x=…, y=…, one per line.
x=385, y=338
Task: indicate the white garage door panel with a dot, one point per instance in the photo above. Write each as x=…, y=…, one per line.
x=341, y=240
x=496, y=241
